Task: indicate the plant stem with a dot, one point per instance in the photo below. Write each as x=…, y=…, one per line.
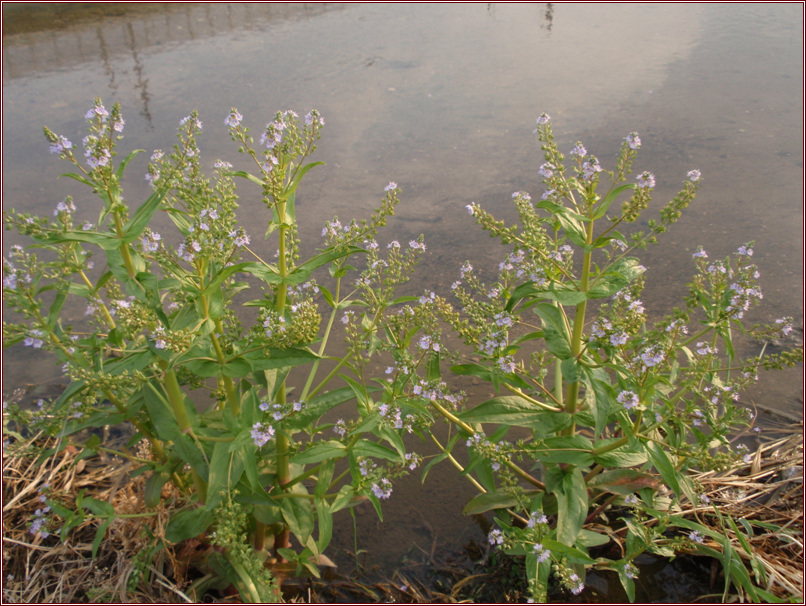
x=579, y=321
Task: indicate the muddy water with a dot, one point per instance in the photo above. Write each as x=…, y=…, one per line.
x=441, y=99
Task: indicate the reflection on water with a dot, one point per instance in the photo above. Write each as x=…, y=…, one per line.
x=441, y=99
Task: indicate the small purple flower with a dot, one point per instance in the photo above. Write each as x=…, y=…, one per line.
x=694, y=175
x=646, y=180
x=590, y=169
x=392, y=186
x=541, y=552
x=61, y=145
x=696, y=536
x=630, y=571
x=633, y=140
x=618, y=339
x=745, y=251
x=537, y=517
x=547, y=170
x=312, y=118
x=542, y=120
x=383, y=489
x=579, y=151
x=628, y=399
x=651, y=358
x=233, y=119
x=261, y=434
x=496, y=537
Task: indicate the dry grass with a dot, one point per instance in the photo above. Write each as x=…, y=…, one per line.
x=37, y=570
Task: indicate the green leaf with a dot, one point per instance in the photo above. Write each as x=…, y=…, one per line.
x=503, y=410
x=298, y=514
x=573, y=450
x=488, y=501
x=99, y=536
x=188, y=523
x=572, y=504
x=248, y=176
x=325, y=518
x=555, y=330
x=124, y=163
x=575, y=556
x=154, y=484
x=664, y=465
x=475, y=370
x=365, y=448
x=135, y=226
x=601, y=209
x=617, y=276
x=279, y=358
x=101, y=509
x=303, y=272
x=574, y=229
x=225, y=471
x=629, y=455
x=302, y=172
x=321, y=451
x=317, y=407
x=623, y=481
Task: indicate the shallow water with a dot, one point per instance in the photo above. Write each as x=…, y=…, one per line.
x=442, y=99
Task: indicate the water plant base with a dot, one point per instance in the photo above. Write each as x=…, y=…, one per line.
x=44, y=570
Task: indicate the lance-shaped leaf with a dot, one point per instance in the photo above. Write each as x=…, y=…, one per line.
x=623, y=481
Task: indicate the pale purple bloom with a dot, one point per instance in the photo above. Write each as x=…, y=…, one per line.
x=590, y=169
x=537, y=517
x=646, y=180
x=233, y=119
x=261, y=434
x=542, y=120
x=547, y=170
x=392, y=185
x=383, y=489
x=630, y=571
x=579, y=151
x=745, y=251
x=694, y=175
x=61, y=146
x=579, y=586
x=651, y=358
x=633, y=140
x=541, y=552
x=496, y=537
x=312, y=118
x=628, y=399
x=618, y=339
x=696, y=536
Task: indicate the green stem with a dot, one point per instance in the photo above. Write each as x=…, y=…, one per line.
x=457, y=465
x=315, y=367
x=124, y=248
x=468, y=429
x=579, y=321
x=538, y=403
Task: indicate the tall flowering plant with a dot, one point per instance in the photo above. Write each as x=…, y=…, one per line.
x=600, y=411
x=260, y=468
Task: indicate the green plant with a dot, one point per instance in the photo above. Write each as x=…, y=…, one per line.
x=600, y=413
x=261, y=463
